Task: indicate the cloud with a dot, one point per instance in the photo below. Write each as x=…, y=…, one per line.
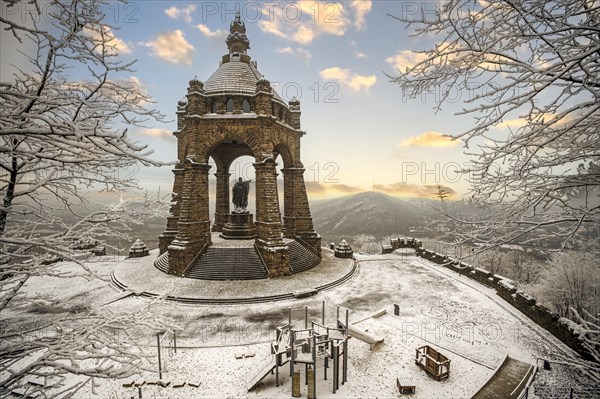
x=351, y=80
x=429, y=139
x=512, y=123
x=405, y=59
x=547, y=118
x=299, y=52
x=359, y=55
x=163, y=134
x=303, y=21
x=172, y=47
x=112, y=41
x=414, y=190
x=184, y=13
x=328, y=189
x=216, y=34
x=361, y=8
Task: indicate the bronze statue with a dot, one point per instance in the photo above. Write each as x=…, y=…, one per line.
x=240, y=196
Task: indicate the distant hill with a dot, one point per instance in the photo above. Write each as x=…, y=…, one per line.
x=364, y=213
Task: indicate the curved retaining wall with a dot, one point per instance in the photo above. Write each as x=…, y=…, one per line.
x=236, y=301
x=562, y=328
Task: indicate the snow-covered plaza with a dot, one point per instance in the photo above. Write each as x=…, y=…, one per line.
x=221, y=348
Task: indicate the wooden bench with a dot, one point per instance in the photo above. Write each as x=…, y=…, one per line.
x=405, y=386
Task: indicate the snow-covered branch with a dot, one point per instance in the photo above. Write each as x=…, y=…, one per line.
x=535, y=69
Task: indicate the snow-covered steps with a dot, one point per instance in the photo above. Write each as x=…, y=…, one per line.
x=509, y=381
x=301, y=258
x=229, y=263
x=162, y=262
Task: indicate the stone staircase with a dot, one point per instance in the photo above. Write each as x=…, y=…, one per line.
x=162, y=262
x=301, y=258
x=508, y=382
x=222, y=263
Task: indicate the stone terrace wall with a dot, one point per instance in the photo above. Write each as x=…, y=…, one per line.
x=562, y=328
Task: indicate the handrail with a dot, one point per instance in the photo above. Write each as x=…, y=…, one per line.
x=262, y=261
x=307, y=246
x=193, y=262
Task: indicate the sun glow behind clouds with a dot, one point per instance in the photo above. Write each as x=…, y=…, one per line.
x=429, y=139
x=415, y=190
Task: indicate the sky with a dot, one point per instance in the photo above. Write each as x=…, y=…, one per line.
x=362, y=132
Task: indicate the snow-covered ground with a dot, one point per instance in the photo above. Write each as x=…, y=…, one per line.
x=462, y=319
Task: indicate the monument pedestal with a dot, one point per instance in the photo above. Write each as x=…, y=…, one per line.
x=239, y=226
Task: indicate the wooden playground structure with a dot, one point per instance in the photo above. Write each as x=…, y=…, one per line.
x=316, y=346
x=433, y=362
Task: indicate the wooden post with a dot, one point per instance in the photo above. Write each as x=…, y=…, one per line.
x=306, y=317
x=347, y=325
x=159, y=365
x=305, y=373
x=296, y=384
x=323, y=314
x=293, y=358
x=311, y=384
x=290, y=317
x=326, y=365
x=175, y=341
x=314, y=370
x=335, y=367
x=140, y=392
x=276, y=369
x=345, y=369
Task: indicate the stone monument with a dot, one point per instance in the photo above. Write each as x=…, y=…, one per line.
x=236, y=112
x=240, y=224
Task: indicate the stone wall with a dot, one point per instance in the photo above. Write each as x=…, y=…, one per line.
x=562, y=328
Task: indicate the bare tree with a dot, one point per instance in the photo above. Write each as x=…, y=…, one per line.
x=57, y=358
x=588, y=329
x=570, y=281
x=532, y=73
x=61, y=140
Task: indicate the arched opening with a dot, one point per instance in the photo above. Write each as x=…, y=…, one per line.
x=214, y=107
x=243, y=167
x=229, y=105
x=246, y=106
x=232, y=159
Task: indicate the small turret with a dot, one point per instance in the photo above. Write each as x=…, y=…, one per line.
x=237, y=42
x=295, y=113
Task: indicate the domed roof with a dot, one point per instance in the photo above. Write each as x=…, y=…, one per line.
x=236, y=75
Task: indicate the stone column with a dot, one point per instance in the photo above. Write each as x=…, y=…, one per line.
x=222, y=200
x=297, y=218
x=193, y=227
x=165, y=239
x=269, y=229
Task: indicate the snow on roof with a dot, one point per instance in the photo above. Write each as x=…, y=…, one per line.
x=138, y=245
